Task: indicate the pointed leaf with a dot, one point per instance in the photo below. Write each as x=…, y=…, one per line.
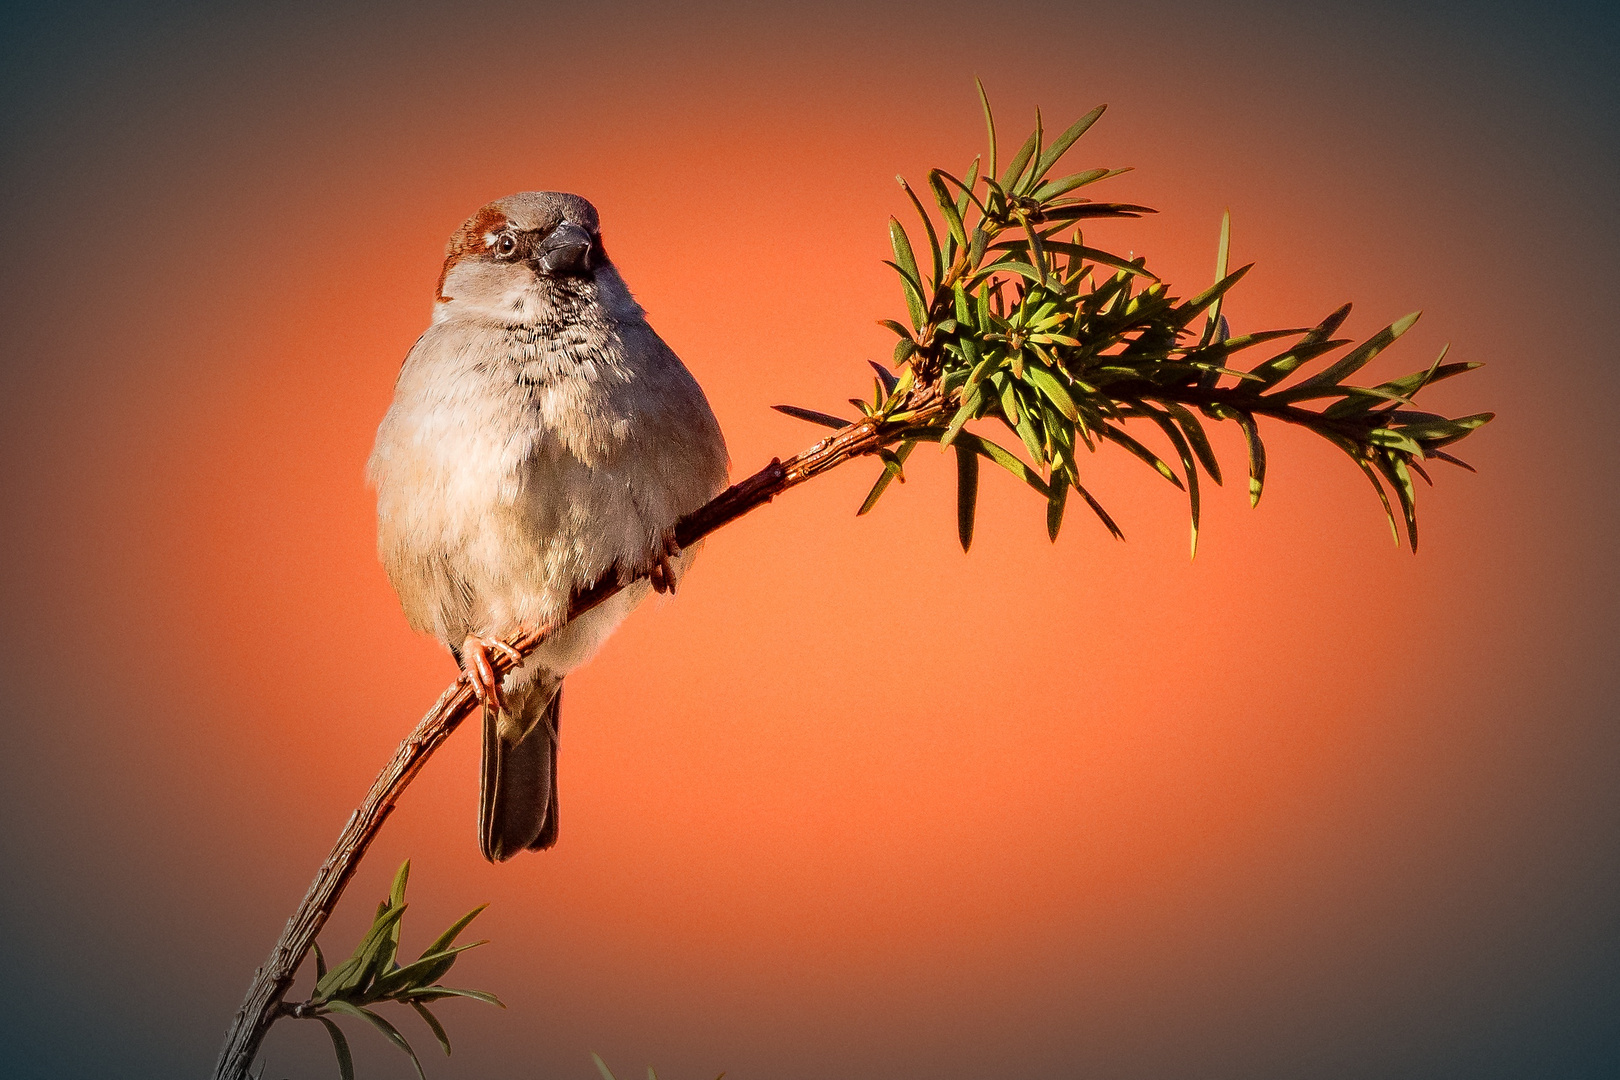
x=1221, y=252
x=396, y=894
x=1311, y=345
x=1015, y=167
x=340, y=1047
x=1187, y=466
x=964, y=414
x=1393, y=466
x=1459, y=462
x=1083, y=210
x=1043, y=379
x=967, y=492
x=814, y=417
x=1372, y=477
x=1119, y=437
x=885, y=375
x=1000, y=456
x=1063, y=247
x=1061, y=144
x=434, y=993
x=1257, y=456
x=1359, y=357
x=928, y=226
x=433, y=1023
x=388, y=1030
x=891, y=469
x=1188, y=310
x=448, y=938
x=601, y=1067
x=430, y=968
x=1441, y=432
x=989, y=124
x=375, y=951
x=1097, y=508
x=1195, y=435
x=947, y=207
x=967, y=195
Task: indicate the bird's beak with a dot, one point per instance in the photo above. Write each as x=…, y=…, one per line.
x=564, y=248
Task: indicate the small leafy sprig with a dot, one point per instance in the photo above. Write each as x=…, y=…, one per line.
x=373, y=974
x=1063, y=343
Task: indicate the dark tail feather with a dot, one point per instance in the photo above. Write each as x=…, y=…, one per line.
x=517, y=805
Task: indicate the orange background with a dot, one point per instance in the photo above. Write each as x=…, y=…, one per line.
x=854, y=804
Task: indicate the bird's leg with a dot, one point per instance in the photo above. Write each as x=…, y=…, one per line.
x=665, y=550
x=480, y=672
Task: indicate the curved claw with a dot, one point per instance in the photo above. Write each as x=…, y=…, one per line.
x=662, y=574
x=486, y=683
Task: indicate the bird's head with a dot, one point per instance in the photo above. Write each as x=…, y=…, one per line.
x=531, y=258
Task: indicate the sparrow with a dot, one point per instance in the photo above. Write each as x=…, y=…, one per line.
x=541, y=438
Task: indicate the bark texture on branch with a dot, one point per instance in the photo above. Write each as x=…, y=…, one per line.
x=275, y=977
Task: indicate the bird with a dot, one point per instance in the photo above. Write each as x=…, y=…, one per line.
x=541, y=438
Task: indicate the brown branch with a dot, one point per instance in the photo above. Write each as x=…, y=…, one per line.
x=272, y=980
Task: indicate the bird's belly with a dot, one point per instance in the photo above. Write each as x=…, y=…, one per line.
x=515, y=537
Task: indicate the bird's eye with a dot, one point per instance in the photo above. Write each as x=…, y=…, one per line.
x=506, y=245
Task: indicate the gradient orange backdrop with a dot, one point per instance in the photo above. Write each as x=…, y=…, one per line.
x=854, y=804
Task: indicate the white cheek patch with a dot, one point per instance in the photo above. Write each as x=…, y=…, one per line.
x=490, y=238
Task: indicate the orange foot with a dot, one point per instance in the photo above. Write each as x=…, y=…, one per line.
x=480, y=672
x=662, y=574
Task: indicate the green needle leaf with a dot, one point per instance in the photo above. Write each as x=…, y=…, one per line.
x=989, y=124
x=434, y=993
x=1393, y=466
x=340, y=1047
x=1357, y=359
x=1097, y=508
x=446, y=939
x=1187, y=466
x=1079, y=211
x=433, y=1023
x=1210, y=297
x=1372, y=477
x=381, y=945
x=1195, y=435
x=1061, y=145
x=1257, y=456
x=967, y=492
x=428, y=969
x=601, y=1067
x=928, y=225
x=814, y=417
x=891, y=469
x=947, y=207
x=1221, y=253
x=1119, y=437
x=1048, y=384
x=885, y=376
x=396, y=894
x=388, y=1030
x=1310, y=346
x=1015, y=167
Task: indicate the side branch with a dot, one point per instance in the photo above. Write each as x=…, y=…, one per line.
x=272, y=980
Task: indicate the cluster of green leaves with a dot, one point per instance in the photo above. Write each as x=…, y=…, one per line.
x=373, y=974
x=1012, y=317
